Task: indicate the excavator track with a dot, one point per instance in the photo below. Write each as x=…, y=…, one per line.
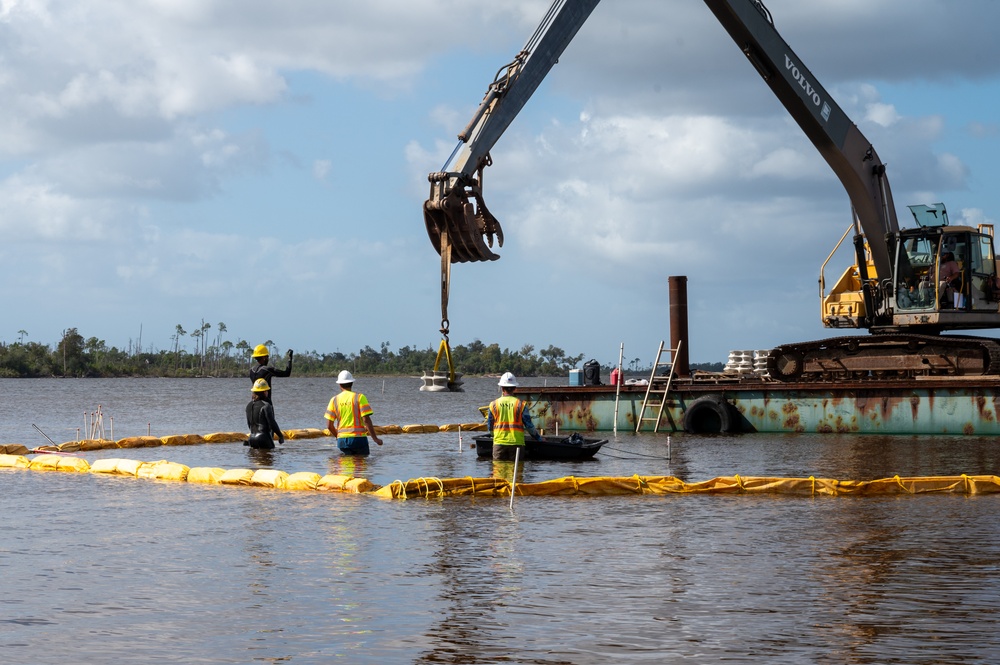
x=884, y=356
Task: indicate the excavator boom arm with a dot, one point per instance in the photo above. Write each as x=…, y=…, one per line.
x=461, y=227
x=516, y=82
x=839, y=141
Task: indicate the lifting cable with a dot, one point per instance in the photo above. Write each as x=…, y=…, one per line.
x=445, y=349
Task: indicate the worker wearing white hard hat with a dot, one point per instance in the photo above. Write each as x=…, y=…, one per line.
x=262, y=370
x=349, y=418
x=508, y=380
x=507, y=419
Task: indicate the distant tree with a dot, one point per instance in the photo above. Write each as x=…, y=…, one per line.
x=552, y=354
x=196, y=335
x=70, y=349
x=178, y=333
x=205, y=327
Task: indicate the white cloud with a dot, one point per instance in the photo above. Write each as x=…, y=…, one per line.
x=971, y=217
x=321, y=169
x=167, y=136
x=882, y=114
x=34, y=211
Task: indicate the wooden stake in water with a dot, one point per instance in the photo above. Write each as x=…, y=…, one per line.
x=459, y=438
x=618, y=384
x=513, y=478
x=668, y=447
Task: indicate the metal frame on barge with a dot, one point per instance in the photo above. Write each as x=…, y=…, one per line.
x=923, y=405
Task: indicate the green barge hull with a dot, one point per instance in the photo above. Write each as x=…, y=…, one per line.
x=931, y=405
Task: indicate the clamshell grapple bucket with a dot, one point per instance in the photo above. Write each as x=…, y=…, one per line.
x=458, y=221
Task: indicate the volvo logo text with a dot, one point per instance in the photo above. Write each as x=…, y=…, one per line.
x=803, y=82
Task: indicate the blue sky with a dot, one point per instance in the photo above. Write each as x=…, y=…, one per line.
x=263, y=164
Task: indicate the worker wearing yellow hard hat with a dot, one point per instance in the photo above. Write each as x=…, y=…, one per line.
x=260, y=418
x=262, y=370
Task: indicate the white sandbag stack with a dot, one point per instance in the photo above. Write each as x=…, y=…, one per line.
x=740, y=362
x=760, y=357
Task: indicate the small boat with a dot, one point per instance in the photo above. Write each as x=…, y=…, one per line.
x=561, y=448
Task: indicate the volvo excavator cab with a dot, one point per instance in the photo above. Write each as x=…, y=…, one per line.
x=943, y=278
x=926, y=294
x=918, y=296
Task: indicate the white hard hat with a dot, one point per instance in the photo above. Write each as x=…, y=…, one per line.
x=345, y=377
x=508, y=380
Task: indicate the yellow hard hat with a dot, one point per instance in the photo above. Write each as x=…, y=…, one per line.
x=260, y=351
x=260, y=385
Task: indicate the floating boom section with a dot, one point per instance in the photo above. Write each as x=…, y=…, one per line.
x=839, y=141
x=460, y=226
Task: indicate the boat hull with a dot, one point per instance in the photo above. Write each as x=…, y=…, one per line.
x=549, y=448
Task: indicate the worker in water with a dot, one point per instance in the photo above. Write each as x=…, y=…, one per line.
x=264, y=371
x=260, y=418
x=349, y=418
x=507, y=419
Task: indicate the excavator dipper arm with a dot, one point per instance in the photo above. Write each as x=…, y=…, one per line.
x=458, y=222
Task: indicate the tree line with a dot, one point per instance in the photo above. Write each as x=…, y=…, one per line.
x=77, y=356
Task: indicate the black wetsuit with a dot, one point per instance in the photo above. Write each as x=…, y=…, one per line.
x=266, y=372
x=263, y=427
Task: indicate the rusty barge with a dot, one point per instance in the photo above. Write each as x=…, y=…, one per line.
x=893, y=400
x=939, y=405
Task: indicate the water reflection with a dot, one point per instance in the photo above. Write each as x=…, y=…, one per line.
x=348, y=465
x=258, y=548
x=504, y=470
x=480, y=560
x=262, y=457
x=885, y=565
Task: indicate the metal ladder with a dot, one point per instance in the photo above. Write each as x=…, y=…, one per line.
x=657, y=389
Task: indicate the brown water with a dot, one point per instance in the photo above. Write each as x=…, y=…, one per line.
x=102, y=569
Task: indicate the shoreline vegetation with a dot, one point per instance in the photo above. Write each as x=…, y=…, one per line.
x=78, y=357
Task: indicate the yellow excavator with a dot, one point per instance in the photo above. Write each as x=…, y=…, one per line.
x=907, y=285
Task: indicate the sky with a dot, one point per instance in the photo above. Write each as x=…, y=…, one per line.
x=263, y=164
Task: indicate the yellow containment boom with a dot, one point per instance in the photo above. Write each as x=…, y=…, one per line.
x=431, y=487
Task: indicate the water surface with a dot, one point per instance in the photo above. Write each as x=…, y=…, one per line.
x=101, y=569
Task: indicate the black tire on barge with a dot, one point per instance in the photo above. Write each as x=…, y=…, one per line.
x=711, y=414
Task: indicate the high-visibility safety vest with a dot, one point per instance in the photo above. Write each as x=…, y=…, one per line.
x=348, y=409
x=508, y=426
